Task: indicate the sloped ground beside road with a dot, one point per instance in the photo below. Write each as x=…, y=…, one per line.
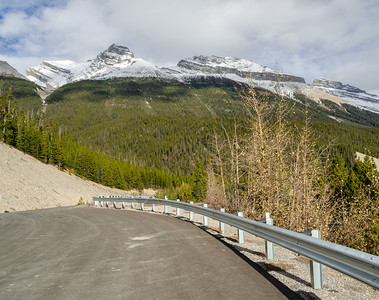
x=26, y=183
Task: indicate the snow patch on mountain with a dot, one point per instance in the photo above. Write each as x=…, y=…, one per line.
x=351, y=94
x=138, y=68
x=54, y=74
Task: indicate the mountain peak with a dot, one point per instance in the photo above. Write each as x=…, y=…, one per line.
x=114, y=54
x=119, y=49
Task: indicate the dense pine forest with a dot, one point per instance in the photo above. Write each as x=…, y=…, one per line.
x=197, y=141
x=30, y=132
x=171, y=125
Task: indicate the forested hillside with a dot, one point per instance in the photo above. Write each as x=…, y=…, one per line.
x=169, y=125
x=22, y=91
x=32, y=133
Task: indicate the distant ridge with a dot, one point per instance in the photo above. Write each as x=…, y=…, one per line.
x=351, y=94
x=119, y=61
x=8, y=70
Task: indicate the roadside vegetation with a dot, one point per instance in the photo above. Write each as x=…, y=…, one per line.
x=279, y=168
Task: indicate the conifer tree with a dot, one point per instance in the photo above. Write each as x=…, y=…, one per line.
x=199, y=182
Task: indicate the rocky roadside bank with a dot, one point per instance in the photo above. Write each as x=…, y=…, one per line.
x=26, y=183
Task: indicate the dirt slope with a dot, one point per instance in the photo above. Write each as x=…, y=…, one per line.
x=26, y=183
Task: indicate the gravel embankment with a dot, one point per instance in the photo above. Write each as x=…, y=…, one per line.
x=26, y=183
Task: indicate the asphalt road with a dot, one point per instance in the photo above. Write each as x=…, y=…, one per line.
x=92, y=253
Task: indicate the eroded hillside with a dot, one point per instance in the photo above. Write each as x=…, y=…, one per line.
x=26, y=183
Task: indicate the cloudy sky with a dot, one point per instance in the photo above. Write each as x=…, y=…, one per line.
x=335, y=39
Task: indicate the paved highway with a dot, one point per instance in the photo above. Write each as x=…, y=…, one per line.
x=91, y=253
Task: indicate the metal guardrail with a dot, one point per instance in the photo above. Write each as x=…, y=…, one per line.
x=354, y=263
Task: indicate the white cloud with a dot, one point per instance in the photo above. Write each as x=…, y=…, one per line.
x=306, y=38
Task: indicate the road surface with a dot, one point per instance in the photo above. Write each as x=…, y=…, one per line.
x=92, y=253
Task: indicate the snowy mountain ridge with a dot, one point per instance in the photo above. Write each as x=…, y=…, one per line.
x=116, y=61
x=351, y=94
x=119, y=61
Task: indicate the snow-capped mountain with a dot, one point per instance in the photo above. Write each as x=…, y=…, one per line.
x=53, y=74
x=232, y=67
x=119, y=61
x=236, y=69
x=351, y=94
x=7, y=70
x=116, y=61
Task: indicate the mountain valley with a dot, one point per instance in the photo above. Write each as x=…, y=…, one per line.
x=166, y=118
x=192, y=132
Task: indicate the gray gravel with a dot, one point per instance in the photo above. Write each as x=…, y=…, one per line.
x=26, y=184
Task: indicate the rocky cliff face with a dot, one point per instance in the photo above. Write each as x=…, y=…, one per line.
x=7, y=70
x=351, y=94
x=210, y=65
x=115, y=54
x=53, y=74
x=325, y=83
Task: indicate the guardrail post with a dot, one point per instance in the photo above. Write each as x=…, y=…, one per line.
x=165, y=207
x=222, y=225
x=142, y=206
x=191, y=213
x=96, y=203
x=102, y=203
x=123, y=205
x=107, y=204
x=178, y=209
x=316, y=268
x=132, y=205
x=269, y=246
x=153, y=207
x=241, y=233
x=114, y=205
x=205, y=218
